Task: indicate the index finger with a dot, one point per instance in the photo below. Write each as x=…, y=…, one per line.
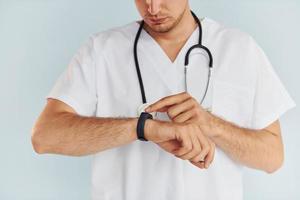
x=168, y=101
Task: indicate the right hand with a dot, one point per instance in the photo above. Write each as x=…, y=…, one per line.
x=184, y=140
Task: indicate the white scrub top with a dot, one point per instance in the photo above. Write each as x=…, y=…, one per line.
x=101, y=81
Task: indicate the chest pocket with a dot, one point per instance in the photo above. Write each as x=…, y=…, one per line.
x=232, y=102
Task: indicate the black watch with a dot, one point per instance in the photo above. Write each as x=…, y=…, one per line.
x=141, y=124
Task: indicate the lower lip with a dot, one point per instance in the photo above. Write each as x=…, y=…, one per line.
x=160, y=21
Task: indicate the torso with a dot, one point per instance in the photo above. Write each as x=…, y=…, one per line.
x=144, y=166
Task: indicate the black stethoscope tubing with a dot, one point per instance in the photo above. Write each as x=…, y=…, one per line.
x=199, y=45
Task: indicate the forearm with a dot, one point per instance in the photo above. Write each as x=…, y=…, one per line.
x=258, y=149
x=70, y=134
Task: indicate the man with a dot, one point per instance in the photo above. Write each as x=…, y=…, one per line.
x=194, y=154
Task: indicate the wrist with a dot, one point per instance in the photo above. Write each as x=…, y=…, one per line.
x=133, y=128
x=208, y=127
x=149, y=129
x=159, y=131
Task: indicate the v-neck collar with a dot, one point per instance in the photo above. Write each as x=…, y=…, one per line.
x=159, y=50
x=161, y=63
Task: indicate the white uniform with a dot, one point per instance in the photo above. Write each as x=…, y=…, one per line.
x=101, y=81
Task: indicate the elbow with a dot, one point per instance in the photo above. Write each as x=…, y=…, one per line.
x=275, y=165
x=36, y=141
x=273, y=169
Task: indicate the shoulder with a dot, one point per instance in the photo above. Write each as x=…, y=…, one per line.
x=228, y=35
x=237, y=56
x=232, y=44
x=119, y=35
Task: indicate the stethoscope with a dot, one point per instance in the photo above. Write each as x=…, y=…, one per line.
x=186, y=62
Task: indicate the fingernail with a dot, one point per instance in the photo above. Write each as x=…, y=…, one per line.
x=147, y=109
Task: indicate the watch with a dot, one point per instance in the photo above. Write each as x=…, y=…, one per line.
x=141, y=124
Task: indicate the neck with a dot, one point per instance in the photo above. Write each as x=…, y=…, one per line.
x=179, y=33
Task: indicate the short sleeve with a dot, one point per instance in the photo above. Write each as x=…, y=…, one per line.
x=76, y=86
x=271, y=97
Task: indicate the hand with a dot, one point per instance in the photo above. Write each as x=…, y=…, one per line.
x=181, y=108
x=200, y=151
x=185, y=141
x=184, y=108
x=172, y=145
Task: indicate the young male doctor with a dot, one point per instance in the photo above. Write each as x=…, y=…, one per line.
x=194, y=151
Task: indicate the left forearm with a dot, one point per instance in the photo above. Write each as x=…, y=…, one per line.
x=259, y=149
